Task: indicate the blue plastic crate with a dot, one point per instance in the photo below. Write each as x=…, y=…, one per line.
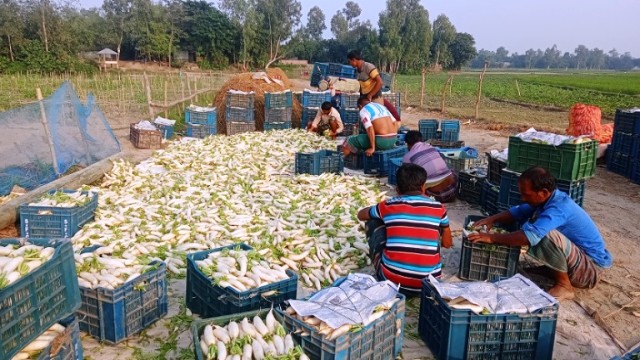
x=489, y=198
x=455, y=162
x=635, y=167
x=623, y=143
x=349, y=100
x=470, y=185
x=353, y=161
x=315, y=99
x=29, y=306
x=378, y=162
x=627, y=122
x=56, y=222
x=278, y=100
x=495, y=168
x=208, y=300
x=315, y=79
x=350, y=129
x=279, y=115
x=308, y=114
x=320, y=162
x=428, y=128
x=277, y=126
x=619, y=163
x=510, y=193
x=201, y=117
x=387, y=80
x=166, y=130
x=393, y=98
x=632, y=354
x=321, y=68
x=350, y=116
x=112, y=316
x=394, y=165
x=461, y=334
x=348, y=72
x=67, y=346
x=234, y=128
x=381, y=339
x=201, y=131
x=243, y=101
x=441, y=144
x=235, y=114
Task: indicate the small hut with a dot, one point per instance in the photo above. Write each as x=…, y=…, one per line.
x=108, y=58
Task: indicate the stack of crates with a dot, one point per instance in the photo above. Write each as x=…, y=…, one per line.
x=277, y=110
x=320, y=162
x=624, y=152
x=394, y=99
x=322, y=70
x=350, y=114
x=44, y=296
x=201, y=121
x=510, y=193
x=239, y=112
x=470, y=184
x=353, y=161
x=378, y=163
x=311, y=102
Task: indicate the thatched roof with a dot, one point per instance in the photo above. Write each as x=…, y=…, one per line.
x=107, y=51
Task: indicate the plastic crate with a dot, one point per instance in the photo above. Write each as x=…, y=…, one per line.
x=428, y=128
x=278, y=100
x=489, y=198
x=623, y=143
x=315, y=79
x=457, y=164
x=387, y=80
x=308, y=115
x=461, y=334
x=165, y=130
x=350, y=129
x=67, y=346
x=441, y=144
x=29, y=306
x=635, y=167
x=627, y=122
x=619, y=163
x=56, y=222
x=208, y=300
x=197, y=327
x=470, y=185
x=315, y=99
x=145, y=139
x=112, y=316
x=564, y=162
x=378, y=162
x=201, y=117
x=242, y=101
x=234, y=128
x=381, y=339
x=235, y=114
x=510, y=193
x=495, y=168
x=449, y=130
x=350, y=116
x=353, y=161
x=349, y=101
x=321, y=68
x=201, y=131
x=277, y=126
x=393, y=98
x=632, y=354
x=348, y=72
x=320, y=162
x=394, y=165
x=277, y=115
x=334, y=69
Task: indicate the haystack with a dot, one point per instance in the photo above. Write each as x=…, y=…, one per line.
x=245, y=82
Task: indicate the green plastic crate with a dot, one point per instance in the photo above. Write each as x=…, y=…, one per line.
x=565, y=162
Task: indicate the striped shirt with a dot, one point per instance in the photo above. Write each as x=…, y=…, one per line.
x=428, y=157
x=412, y=251
x=372, y=112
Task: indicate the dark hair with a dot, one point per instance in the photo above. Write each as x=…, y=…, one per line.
x=354, y=55
x=362, y=99
x=412, y=137
x=410, y=177
x=539, y=178
x=326, y=105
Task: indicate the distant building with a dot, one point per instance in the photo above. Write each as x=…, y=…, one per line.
x=295, y=62
x=108, y=58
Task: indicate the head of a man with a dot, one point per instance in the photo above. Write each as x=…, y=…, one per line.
x=411, y=178
x=536, y=185
x=363, y=101
x=354, y=58
x=326, y=107
x=412, y=137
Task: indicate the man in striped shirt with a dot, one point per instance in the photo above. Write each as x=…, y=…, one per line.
x=406, y=232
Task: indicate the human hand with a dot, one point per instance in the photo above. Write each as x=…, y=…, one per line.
x=480, y=237
x=369, y=151
x=486, y=223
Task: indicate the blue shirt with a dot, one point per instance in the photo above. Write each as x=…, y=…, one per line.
x=561, y=213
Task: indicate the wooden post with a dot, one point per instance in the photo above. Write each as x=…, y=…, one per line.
x=45, y=125
x=181, y=85
x=195, y=88
x=486, y=63
x=444, y=92
x=450, y=85
x=166, y=109
x=148, y=92
x=424, y=75
x=518, y=87
x=189, y=87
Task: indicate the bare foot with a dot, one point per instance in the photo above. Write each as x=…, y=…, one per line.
x=561, y=292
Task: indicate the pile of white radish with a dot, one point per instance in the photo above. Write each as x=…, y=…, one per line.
x=63, y=199
x=240, y=269
x=331, y=334
x=95, y=271
x=203, y=194
x=249, y=339
x=33, y=350
x=17, y=261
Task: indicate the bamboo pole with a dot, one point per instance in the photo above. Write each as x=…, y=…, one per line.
x=195, y=88
x=444, y=92
x=188, y=86
x=147, y=88
x=480, y=88
x=45, y=125
x=422, y=84
x=518, y=87
x=166, y=110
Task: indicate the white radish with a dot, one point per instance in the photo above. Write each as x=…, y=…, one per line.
x=303, y=356
x=339, y=331
x=208, y=336
x=248, y=328
x=233, y=329
x=260, y=326
x=278, y=342
x=222, y=350
x=204, y=347
x=288, y=343
x=270, y=321
x=258, y=351
x=247, y=352
x=13, y=277
x=12, y=265
x=221, y=334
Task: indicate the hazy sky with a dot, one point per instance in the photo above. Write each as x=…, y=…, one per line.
x=518, y=25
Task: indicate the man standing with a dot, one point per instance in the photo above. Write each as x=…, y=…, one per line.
x=371, y=82
x=559, y=233
x=405, y=233
x=379, y=125
x=327, y=120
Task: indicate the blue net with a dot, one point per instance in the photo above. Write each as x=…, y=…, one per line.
x=43, y=140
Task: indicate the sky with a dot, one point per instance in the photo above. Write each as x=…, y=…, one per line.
x=518, y=25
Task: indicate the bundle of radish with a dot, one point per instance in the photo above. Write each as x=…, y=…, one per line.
x=17, y=261
x=249, y=339
x=64, y=199
x=240, y=269
x=49, y=337
x=95, y=270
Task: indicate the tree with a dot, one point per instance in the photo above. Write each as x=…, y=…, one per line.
x=443, y=34
x=552, y=57
x=462, y=50
x=351, y=12
x=582, y=54
x=279, y=17
x=315, y=23
x=339, y=26
x=11, y=25
x=501, y=55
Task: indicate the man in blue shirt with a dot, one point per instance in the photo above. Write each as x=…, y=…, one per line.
x=559, y=233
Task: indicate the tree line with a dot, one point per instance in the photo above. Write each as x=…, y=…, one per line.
x=50, y=36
